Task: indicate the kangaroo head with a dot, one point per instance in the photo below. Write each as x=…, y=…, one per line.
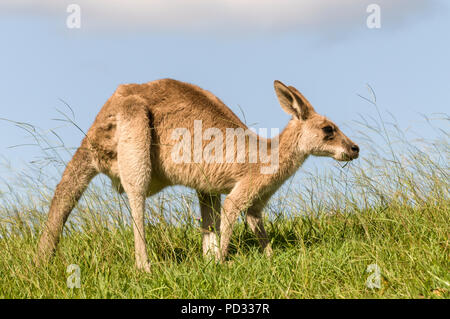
x=315, y=134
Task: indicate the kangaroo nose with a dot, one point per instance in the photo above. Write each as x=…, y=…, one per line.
x=355, y=148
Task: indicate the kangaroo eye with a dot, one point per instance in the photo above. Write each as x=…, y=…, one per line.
x=327, y=129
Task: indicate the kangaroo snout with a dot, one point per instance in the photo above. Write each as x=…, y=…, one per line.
x=355, y=151
x=352, y=152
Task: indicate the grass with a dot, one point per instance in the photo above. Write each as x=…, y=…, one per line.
x=390, y=208
x=314, y=257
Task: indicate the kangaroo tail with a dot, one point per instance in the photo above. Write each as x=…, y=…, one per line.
x=77, y=175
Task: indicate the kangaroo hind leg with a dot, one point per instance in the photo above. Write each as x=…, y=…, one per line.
x=210, y=210
x=133, y=157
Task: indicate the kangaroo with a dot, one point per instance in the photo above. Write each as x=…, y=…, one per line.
x=131, y=141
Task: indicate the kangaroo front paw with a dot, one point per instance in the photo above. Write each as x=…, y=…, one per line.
x=268, y=251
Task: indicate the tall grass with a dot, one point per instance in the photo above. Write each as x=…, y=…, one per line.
x=389, y=208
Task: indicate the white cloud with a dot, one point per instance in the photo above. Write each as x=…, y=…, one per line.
x=223, y=15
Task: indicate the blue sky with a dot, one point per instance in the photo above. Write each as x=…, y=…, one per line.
x=324, y=50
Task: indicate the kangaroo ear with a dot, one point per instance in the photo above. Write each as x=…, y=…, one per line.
x=305, y=106
x=292, y=101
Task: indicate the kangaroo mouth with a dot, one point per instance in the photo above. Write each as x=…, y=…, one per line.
x=346, y=157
